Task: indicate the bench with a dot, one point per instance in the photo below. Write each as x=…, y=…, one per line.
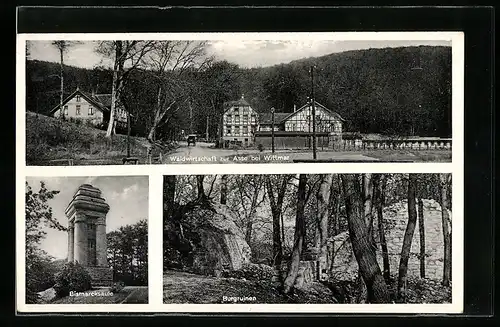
x=132, y=160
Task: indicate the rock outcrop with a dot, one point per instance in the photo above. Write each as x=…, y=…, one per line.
x=208, y=240
x=395, y=219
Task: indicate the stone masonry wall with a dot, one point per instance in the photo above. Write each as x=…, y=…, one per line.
x=344, y=264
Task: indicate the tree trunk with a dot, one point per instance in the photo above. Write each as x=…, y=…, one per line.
x=114, y=87
x=169, y=187
x=298, y=237
x=323, y=196
x=61, y=76
x=421, y=231
x=446, y=229
x=361, y=244
x=367, y=205
x=202, y=197
x=223, y=189
x=380, y=196
x=276, y=207
x=408, y=237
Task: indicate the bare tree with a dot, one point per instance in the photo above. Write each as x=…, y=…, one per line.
x=323, y=196
x=444, y=183
x=169, y=182
x=202, y=197
x=62, y=46
x=408, y=237
x=379, y=196
x=127, y=55
x=300, y=229
x=169, y=61
x=223, y=189
x=421, y=231
x=361, y=242
x=276, y=202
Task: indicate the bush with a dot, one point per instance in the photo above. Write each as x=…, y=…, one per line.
x=252, y=271
x=72, y=277
x=260, y=147
x=117, y=287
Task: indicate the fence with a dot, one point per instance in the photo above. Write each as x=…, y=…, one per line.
x=395, y=144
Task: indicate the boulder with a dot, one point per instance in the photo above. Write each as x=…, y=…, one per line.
x=47, y=295
x=209, y=240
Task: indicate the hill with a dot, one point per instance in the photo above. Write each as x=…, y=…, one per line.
x=402, y=91
x=48, y=138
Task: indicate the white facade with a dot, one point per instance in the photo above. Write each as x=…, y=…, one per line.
x=240, y=123
x=79, y=108
x=302, y=121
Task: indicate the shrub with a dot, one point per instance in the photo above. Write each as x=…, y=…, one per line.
x=252, y=271
x=260, y=147
x=72, y=277
x=117, y=287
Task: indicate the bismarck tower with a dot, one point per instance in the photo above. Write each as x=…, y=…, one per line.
x=87, y=234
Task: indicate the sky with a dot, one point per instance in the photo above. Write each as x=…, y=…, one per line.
x=246, y=53
x=127, y=197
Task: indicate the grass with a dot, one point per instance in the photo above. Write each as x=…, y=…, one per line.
x=48, y=138
x=182, y=287
x=129, y=294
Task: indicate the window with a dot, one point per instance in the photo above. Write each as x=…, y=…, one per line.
x=253, y=118
x=236, y=109
x=77, y=109
x=245, y=119
x=91, y=111
x=237, y=118
x=236, y=130
x=294, y=127
x=228, y=129
x=65, y=110
x=78, y=98
x=245, y=130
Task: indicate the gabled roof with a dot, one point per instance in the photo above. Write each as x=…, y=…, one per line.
x=317, y=104
x=100, y=101
x=267, y=118
x=234, y=103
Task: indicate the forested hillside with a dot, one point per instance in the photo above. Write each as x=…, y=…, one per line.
x=395, y=91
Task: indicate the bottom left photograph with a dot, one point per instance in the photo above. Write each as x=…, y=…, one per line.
x=86, y=240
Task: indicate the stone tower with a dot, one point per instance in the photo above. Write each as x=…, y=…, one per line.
x=87, y=233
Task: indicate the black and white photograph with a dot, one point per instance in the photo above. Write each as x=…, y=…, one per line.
x=86, y=240
x=233, y=99
x=308, y=238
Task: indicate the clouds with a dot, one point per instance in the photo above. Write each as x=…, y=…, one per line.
x=246, y=53
x=127, y=193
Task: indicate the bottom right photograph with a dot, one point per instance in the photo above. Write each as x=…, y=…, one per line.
x=307, y=238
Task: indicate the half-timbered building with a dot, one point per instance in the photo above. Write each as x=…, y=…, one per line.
x=240, y=122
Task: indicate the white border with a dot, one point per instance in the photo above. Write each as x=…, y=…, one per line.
x=156, y=172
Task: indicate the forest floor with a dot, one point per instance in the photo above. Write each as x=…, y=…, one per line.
x=182, y=287
x=129, y=294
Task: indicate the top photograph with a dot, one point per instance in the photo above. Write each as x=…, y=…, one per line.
x=232, y=99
